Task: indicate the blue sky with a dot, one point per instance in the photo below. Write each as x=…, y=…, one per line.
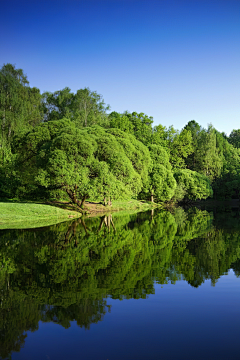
x=173, y=60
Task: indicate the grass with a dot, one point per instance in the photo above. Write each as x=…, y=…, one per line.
x=29, y=215
x=95, y=207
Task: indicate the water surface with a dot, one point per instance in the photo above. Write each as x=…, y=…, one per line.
x=138, y=286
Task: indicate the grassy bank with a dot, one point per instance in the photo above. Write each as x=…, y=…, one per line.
x=28, y=215
x=95, y=208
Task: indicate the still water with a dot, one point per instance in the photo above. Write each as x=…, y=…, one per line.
x=162, y=285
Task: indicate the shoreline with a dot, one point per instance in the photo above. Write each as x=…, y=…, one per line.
x=16, y=215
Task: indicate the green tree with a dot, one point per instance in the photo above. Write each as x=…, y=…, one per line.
x=120, y=121
x=57, y=105
x=88, y=163
x=161, y=183
x=89, y=108
x=227, y=184
x=195, y=130
x=136, y=151
x=206, y=158
x=160, y=136
x=137, y=124
x=180, y=147
x=177, y=144
x=192, y=185
x=85, y=108
x=19, y=103
x=234, y=138
x=20, y=110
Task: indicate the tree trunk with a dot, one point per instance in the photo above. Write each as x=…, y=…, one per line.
x=101, y=224
x=75, y=224
x=112, y=222
x=109, y=222
x=73, y=198
x=83, y=201
x=67, y=235
x=84, y=225
x=109, y=202
x=105, y=220
x=152, y=198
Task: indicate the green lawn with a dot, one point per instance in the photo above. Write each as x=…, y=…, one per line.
x=28, y=215
x=132, y=205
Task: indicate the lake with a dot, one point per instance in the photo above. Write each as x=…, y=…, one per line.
x=150, y=285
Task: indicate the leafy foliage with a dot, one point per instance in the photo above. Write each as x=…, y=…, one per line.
x=88, y=163
x=85, y=108
x=192, y=185
x=234, y=138
x=67, y=142
x=19, y=103
x=161, y=184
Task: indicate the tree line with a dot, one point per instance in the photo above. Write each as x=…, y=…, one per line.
x=66, y=145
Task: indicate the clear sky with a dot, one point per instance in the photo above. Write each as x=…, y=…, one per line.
x=173, y=60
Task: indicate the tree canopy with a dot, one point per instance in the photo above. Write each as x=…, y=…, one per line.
x=63, y=142
x=83, y=163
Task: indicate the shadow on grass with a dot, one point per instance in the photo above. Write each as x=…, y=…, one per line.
x=60, y=204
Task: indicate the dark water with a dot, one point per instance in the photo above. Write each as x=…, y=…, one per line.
x=141, y=286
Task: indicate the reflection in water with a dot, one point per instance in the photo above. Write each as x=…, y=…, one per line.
x=66, y=272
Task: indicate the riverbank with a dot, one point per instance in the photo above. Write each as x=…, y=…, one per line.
x=30, y=215
x=96, y=208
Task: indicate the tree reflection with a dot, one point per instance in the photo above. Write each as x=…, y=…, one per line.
x=65, y=272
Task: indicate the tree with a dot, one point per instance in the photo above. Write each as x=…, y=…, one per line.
x=121, y=122
x=160, y=136
x=195, y=130
x=161, y=183
x=227, y=184
x=234, y=138
x=206, y=158
x=19, y=103
x=136, y=151
x=89, y=108
x=20, y=110
x=178, y=144
x=209, y=159
x=137, y=124
x=192, y=185
x=57, y=105
x=87, y=163
x=180, y=147
x=85, y=108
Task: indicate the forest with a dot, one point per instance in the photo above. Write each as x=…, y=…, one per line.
x=70, y=146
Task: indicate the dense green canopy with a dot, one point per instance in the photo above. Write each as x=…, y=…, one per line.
x=192, y=185
x=84, y=163
x=161, y=184
x=71, y=137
